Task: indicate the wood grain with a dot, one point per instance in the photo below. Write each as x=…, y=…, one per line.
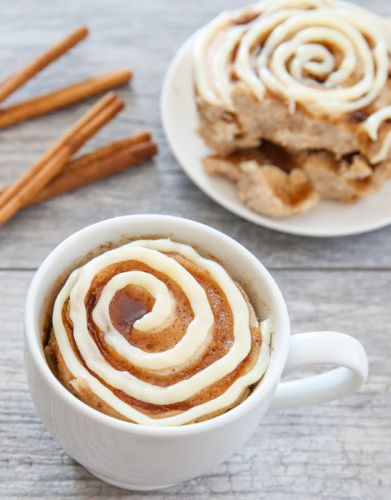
x=341, y=450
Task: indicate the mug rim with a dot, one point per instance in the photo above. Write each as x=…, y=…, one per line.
x=33, y=339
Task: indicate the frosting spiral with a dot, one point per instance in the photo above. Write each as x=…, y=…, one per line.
x=329, y=56
x=159, y=334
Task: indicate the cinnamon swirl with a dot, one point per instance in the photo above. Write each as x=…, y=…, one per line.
x=310, y=77
x=154, y=333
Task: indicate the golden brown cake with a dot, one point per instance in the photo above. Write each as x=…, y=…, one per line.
x=154, y=333
x=310, y=77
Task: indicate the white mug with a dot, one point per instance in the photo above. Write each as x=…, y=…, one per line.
x=142, y=457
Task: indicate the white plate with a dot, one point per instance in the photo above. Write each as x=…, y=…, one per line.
x=180, y=121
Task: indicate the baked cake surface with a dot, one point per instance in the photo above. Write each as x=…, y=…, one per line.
x=154, y=333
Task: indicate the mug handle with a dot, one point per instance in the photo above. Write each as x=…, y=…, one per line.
x=308, y=349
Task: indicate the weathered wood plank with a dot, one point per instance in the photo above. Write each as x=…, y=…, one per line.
x=341, y=450
x=145, y=36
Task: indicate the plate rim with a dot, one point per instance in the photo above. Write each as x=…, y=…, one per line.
x=258, y=219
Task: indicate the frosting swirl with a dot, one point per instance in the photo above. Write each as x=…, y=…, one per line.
x=190, y=349
x=329, y=56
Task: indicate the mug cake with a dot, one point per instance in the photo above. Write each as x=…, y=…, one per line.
x=294, y=98
x=155, y=333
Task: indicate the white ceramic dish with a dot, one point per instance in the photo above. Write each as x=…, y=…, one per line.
x=179, y=117
x=143, y=457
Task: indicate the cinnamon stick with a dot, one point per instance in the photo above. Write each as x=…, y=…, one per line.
x=93, y=167
x=25, y=188
x=39, y=63
x=13, y=189
x=101, y=163
x=62, y=97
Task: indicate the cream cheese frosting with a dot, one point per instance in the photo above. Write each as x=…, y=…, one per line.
x=329, y=56
x=89, y=364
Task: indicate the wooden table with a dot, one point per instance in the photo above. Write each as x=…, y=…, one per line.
x=341, y=450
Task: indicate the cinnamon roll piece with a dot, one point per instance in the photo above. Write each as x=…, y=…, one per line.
x=154, y=333
x=310, y=77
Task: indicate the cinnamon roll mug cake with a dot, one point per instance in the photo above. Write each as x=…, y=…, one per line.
x=294, y=98
x=154, y=333
x=154, y=345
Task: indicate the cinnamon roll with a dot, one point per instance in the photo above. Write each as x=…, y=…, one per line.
x=154, y=333
x=309, y=77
